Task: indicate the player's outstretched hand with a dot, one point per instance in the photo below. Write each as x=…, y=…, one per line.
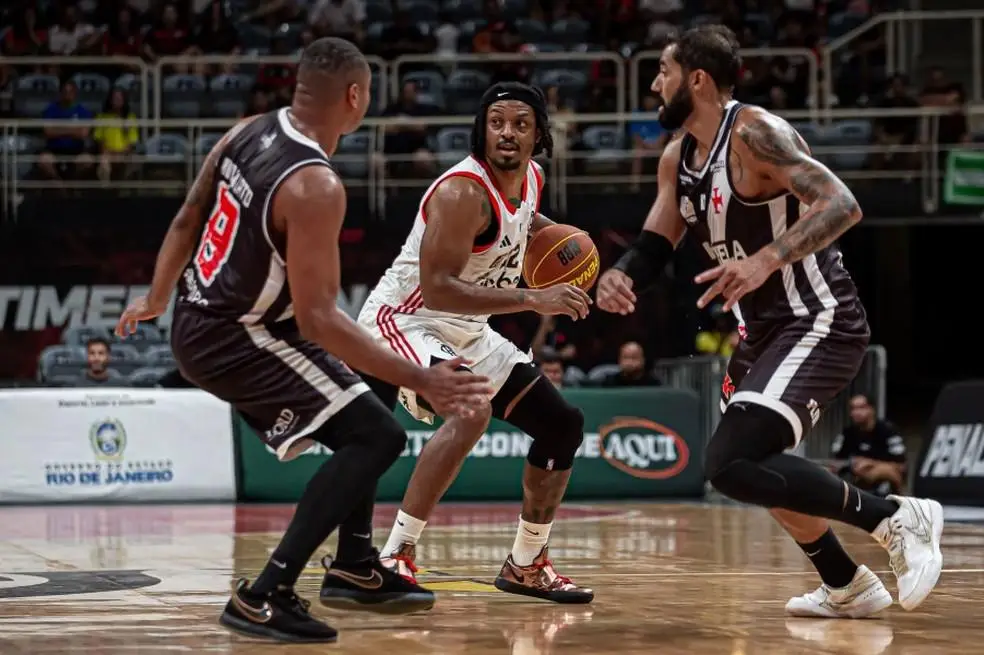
x=735, y=278
x=565, y=299
x=139, y=310
x=450, y=391
x=615, y=293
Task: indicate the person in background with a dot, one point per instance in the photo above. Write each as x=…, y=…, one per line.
x=67, y=141
x=341, y=18
x=216, y=35
x=870, y=453
x=632, y=368
x=722, y=339
x=648, y=140
x=116, y=142
x=97, y=371
x=170, y=38
x=552, y=368
x=553, y=340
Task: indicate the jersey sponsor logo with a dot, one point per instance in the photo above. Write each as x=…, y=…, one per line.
x=957, y=451
x=724, y=251
x=505, y=270
x=285, y=423
x=717, y=200
x=643, y=448
x=219, y=235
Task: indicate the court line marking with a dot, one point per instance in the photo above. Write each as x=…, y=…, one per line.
x=691, y=574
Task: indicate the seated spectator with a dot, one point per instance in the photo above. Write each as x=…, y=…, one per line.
x=563, y=130
x=407, y=139
x=632, y=368
x=343, y=18
x=403, y=37
x=896, y=130
x=648, y=140
x=169, y=38
x=71, y=35
x=279, y=79
x=216, y=35
x=552, y=368
x=97, y=371
x=870, y=453
x=259, y=102
x=65, y=152
x=24, y=38
x=722, y=338
x=123, y=39
x=115, y=142
x=552, y=340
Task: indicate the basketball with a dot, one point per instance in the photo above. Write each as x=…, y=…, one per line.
x=558, y=254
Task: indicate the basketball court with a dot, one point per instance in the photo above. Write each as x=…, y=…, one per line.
x=668, y=578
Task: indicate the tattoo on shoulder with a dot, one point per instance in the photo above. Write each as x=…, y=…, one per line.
x=486, y=209
x=772, y=143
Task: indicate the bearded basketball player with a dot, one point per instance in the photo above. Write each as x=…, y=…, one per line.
x=461, y=263
x=255, y=246
x=767, y=215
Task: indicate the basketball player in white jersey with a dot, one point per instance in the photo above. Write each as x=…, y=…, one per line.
x=461, y=263
x=743, y=182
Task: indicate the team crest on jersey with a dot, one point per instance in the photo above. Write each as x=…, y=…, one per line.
x=687, y=211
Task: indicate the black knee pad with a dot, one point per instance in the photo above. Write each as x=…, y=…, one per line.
x=747, y=433
x=556, y=426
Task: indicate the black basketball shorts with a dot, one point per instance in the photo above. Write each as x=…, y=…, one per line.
x=284, y=386
x=796, y=368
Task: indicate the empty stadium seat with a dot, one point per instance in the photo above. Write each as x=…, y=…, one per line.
x=144, y=334
x=532, y=31
x=463, y=10
x=379, y=11
x=851, y=134
x=203, y=146
x=93, y=89
x=352, y=156
x=183, y=96
x=147, y=376
x=463, y=90
x=514, y=9
x=166, y=148
x=428, y=82
x=421, y=11
x=229, y=94
x=602, y=372
x=605, y=143
x=23, y=147
x=570, y=82
x=570, y=30
x=453, y=144
x=253, y=36
x=159, y=356
x=33, y=94
x=574, y=377
x=80, y=335
x=61, y=360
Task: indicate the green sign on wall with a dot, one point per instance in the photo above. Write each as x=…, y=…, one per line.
x=638, y=443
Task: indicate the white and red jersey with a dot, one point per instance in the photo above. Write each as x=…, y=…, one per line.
x=499, y=264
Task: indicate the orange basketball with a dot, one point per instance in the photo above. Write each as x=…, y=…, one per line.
x=558, y=254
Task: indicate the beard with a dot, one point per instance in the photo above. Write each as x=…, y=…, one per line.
x=677, y=110
x=506, y=161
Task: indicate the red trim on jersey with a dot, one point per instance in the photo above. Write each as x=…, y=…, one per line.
x=388, y=328
x=495, y=206
x=382, y=324
x=538, y=175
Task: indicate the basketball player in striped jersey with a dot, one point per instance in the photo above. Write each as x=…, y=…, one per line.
x=767, y=214
x=462, y=262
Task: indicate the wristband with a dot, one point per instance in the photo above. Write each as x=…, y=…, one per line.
x=645, y=259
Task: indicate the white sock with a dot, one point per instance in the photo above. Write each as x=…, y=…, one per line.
x=406, y=530
x=530, y=540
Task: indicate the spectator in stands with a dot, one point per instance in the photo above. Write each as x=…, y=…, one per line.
x=306, y=36
x=499, y=35
x=407, y=140
x=553, y=340
x=65, y=152
x=563, y=130
x=632, y=368
x=24, y=38
x=895, y=131
x=115, y=142
x=170, y=38
x=259, y=102
x=939, y=91
x=97, y=371
x=278, y=79
x=870, y=453
x=216, y=35
x=123, y=38
x=446, y=35
x=648, y=139
x=403, y=37
x=71, y=35
x=552, y=368
x=722, y=338
x=342, y=18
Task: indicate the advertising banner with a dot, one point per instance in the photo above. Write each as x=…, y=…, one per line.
x=65, y=445
x=964, y=181
x=951, y=464
x=638, y=443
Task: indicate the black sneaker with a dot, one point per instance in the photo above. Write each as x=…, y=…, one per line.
x=280, y=615
x=368, y=585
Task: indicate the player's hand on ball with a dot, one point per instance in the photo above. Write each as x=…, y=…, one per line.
x=451, y=391
x=141, y=309
x=615, y=293
x=565, y=299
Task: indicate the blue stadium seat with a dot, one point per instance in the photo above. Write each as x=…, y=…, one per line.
x=429, y=83
x=144, y=335
x=205, y=143
x=605, y=143
x=547, y=46
x=811, y=132
x=24, y=147
x=463, y=90
x=166, y=149
x=421, y=11
x=61, y=360
x=33, y=94
x=453, y=144
x=570, y=82
x=851, y=134
x=574, y=377
x=531, y=30
x=229, y=94
x=147, y=377
x=183, y=96
x=352, y=156
x=93, y=89
x=375, y=30
x=80, y=335
x=602, y=372
x=159, y=356
x=253, y=36
x=570, y=30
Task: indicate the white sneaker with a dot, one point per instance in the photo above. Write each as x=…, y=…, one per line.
x=865, y=596
x=912, y=538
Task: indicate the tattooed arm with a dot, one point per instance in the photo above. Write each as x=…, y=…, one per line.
x=776, y=152
x=186, y=227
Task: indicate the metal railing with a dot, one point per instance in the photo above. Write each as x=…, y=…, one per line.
x=704, y=375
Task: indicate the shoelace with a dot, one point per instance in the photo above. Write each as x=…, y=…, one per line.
x=562, y=579
x=406, y=560
x=896, y=549
x=295, y=603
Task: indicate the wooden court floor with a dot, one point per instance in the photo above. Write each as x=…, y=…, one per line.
x=669, y=578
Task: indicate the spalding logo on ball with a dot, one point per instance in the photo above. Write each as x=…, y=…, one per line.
x=560, y=254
